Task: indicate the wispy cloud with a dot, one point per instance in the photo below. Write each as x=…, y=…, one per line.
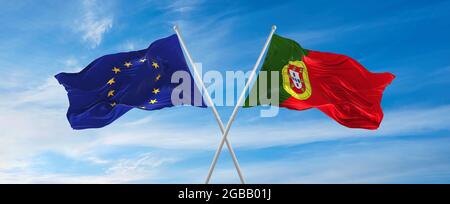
x=176, y=6
x=409, y=81
x=382, y=161
x=94, y=23
x=146, y=167
x=280, y=133
x=183, y=6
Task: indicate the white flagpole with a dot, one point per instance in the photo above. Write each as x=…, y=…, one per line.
x=238, y=105
x=211, y=103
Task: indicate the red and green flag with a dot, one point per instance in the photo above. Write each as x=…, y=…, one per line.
x=335, y=84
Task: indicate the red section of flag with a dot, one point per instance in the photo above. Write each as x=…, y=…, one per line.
x=344, y=90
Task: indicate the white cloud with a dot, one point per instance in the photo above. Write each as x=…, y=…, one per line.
x=94, y=24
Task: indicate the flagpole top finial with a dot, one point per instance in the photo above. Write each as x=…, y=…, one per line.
x=274, y=27
x=175, y=27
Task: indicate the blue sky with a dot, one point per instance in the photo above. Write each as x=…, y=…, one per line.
x=176, y=145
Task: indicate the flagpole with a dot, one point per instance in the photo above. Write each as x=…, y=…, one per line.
x=236, y=108
x=211, y=103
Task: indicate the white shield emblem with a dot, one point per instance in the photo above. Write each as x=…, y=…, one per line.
x=295, y=76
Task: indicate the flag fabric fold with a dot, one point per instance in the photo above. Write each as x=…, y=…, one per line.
x=113, y=84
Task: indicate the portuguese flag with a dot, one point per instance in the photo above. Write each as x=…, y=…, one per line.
x=335, y=84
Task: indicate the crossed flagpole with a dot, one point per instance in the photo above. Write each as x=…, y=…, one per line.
x=225, y=131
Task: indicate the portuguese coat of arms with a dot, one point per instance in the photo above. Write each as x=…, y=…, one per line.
x=296, y=80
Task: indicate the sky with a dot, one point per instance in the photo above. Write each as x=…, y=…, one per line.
x=176, y=145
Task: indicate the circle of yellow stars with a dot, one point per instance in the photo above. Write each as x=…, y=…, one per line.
x=127, y=65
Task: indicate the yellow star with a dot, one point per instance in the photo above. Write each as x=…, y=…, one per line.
x=142, y=60
x=156, y=91
x=116, y=70
x=111, y=81
x=158, y=77
x=128, y=64
x=113, y=104
x=155, y=65
x=153, y=101
x=111, y=93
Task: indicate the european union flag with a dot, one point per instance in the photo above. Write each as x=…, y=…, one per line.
x=114, y=84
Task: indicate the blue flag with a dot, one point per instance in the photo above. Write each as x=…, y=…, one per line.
x=114, y=84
